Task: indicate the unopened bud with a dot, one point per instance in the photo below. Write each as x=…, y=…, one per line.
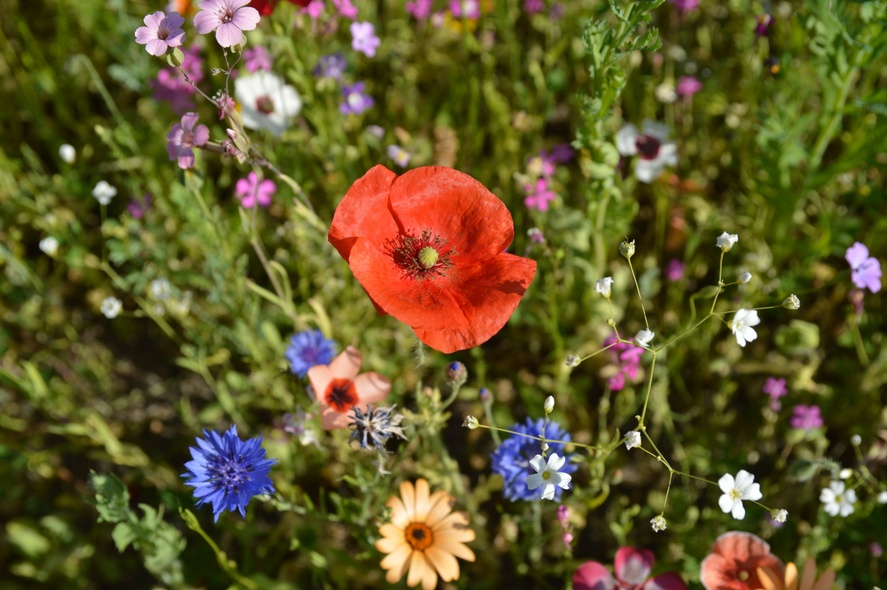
x=470, y=423
x=549, y=404
x=457, y=374
x=485, y=394
x=745, y=277
x=573, y=360
x=626, y=248
x=792, y=302
x=659, y=524
x=856, y=440
x=779, y=515
x=544, y=446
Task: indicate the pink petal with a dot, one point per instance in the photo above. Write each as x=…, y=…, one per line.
x=228, y=35
x=174, y=20
x=246, y=19
x=243, y=188
x=371, y=387
x=176, y=40
x=347, y=364
x=206, y=22
x=201, y=135
x=593, y=576
x=154, y=19
x=331, y=419
x=156, y=47
x=186, y=159
x=666, y=581
x=633, y=566
x=145, y=34
x=189, y=120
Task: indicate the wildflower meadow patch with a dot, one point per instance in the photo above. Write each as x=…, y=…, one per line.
x=443, y=294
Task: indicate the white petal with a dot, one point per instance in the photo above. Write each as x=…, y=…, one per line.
x=548, y=492
x=726, y=483
x=726, y=503
x=738, y=510
x=538, y=463
x=534, y=481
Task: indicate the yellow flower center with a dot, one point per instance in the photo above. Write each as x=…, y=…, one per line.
x=428, y=257
x=546, y=475
x=419, y=536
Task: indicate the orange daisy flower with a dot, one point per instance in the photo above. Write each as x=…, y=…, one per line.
x=424, y=537
x=338, y=388
x=773, y=581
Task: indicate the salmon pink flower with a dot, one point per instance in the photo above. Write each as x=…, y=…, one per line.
x=734, y=561
x=339, y=388
x=429, y=248
x=632, y=568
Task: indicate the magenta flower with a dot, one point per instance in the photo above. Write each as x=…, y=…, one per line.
x=356, y=100
x=538, y=195
x=257, y=58
x=171, y=85
x=776, y=389
x=688, y=86
x=632, y=568
x=138, y=207
x=866, y=269
x=674, y=270
x=314, y=10
x=364, y=38
x=465, y=8
x=252, y=192
x=228, y=18
x=346, y=9
x=182, y=138
x=626, y=358
x=420, y=9
x=534, y=6
x=806, y=417
x=161, y=31
x=762, y=26
x=685, y=6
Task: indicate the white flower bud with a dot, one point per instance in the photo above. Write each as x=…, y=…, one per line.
x=779, y=515
x=632, y=440
x=549, y=404
x=67, y=153
x=659, y=523
x=603, y=286
x=470, y=422
x=744, y=277
x=726, y=241
x=49, y=246
x=573, y=360
x=856, y=440
x=792, y=302
x=111, y=307
x=626, y=248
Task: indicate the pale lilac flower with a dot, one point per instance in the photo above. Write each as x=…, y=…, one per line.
x=866, y=269
x=465, y=8
x=737, y=489
x=776, y=389
x=376, y=131
x=742, y=325
x=400, y=156
x=685, y=6
x=346, y=9
x=548, y=476
x=420, y=9
x=674, y=270
x=356, y=100
x=331, y=66
x=252, y=192
x=138, y=207
x=837, y=499
x=256, y=58
x=364, y=38
x=183, y=137
x=539, y=195
x=228, y=18
x=652, y=146
x=688, y=86
x=806, y=417
x=266, y=101
x=536, y=236
x=161, y=31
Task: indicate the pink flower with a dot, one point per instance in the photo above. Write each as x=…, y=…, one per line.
x=420, y=9
x=228, y=18
x=183, y=137
x=170, y=84
x=674, y=271
x=364, y=38
x=688, y=86
x=346, y=9
x=257, y=58
x=533, y=6
x=866, y=269
x=632, y=568
x=538, y=195
x=685, y=6
x=806, y=417
x=251, y=191
x=315, y=9
x=465, y=8
x=775, y=388
x=161, y=31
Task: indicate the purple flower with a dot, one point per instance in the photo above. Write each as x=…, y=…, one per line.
x=257, y=58
x=228, y=18
x=356, y=100
x=346, y=9
x=559, y=154
x=364, y=38
x=538, y=195
x=534, y=6
x=688, y=86
x=171, y=85
x=775, y=388
x=626, y=358
x=138, y=207
x=182, y=138
x=762, y=28
x=252, y=192
x=465, y=8
x=161, y=31
x=866, y=269
x=331, y=66
x=674, y=270
x=400, y=156
x=420, y=9
x=685, y=6
x=806, y=417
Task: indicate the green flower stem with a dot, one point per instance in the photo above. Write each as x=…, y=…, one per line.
x=229, y=566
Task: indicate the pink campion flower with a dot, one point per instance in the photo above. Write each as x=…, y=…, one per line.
x=257, y=58
x=364, y=38
x=465, y=8
x=806, y=417
x=171, y=85
x=866, y=269
x=534, y=6
x=776, y=389
x=674, y=270
x=228, y=18
x=539, y=195
x=688, y=86
x=685, y=6
x=346, y=8
x=626, y=359
x=183, y=137
x=315, y=9
x=252, y=192
x=420, y=9
x=161, y=31
x=632, y=568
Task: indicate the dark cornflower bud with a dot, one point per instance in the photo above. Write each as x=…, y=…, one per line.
x=375, y=426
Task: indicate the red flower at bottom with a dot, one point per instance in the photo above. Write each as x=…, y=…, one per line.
x=266, y=7
x=734, y=561
x=429, y=249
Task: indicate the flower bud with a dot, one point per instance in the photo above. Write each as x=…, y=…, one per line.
x=744, y=277
x=67, y=153
x=544, y=446
x=457, y=374
x=856, y=440
x=485, y=394
x=845, y=473
x=632, y=440
x=726, y=241
x=602, y=286
x=470, y=423
x=658, y=523
x=779, y=515
x=573, y=360
x=549, y=404
x=792, y=302
x=626, y=248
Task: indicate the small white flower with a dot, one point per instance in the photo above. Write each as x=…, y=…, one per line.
x=742, y=487
x=548, y=476
x=882, y=498
x=792, y=302
x=549, y=404
x=632, y=440
x=856, y=440
x=744, y=277
x=643, y=338
x=111, y=307
x=837, y=500
x=651, y=145
x=726, y=241
x=266, y=101
x=573, y=360
x=845, y=473
x=67, y=153
x=160, y=289
x=49, y=246
x=603, y=286
x=104, y=192
x=658, y=523
x=470, y=423
x=779, y=514
x=742, y=325
x=666, y=93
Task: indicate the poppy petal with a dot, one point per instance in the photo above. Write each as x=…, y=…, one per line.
x=633, y=566
x=347, y=364
x=592, y=575
x=371, y=387
x=666, y=581
x=363, y=211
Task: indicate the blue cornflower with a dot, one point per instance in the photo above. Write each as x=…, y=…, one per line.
x=307, y=349
x=227, y=471
x=331, y=66
x=512, y=459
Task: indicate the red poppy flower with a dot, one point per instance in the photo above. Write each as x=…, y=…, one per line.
x=266, y=7
x=632, y=568
x=734, y=561
x=338, y=387
x=429, y=248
